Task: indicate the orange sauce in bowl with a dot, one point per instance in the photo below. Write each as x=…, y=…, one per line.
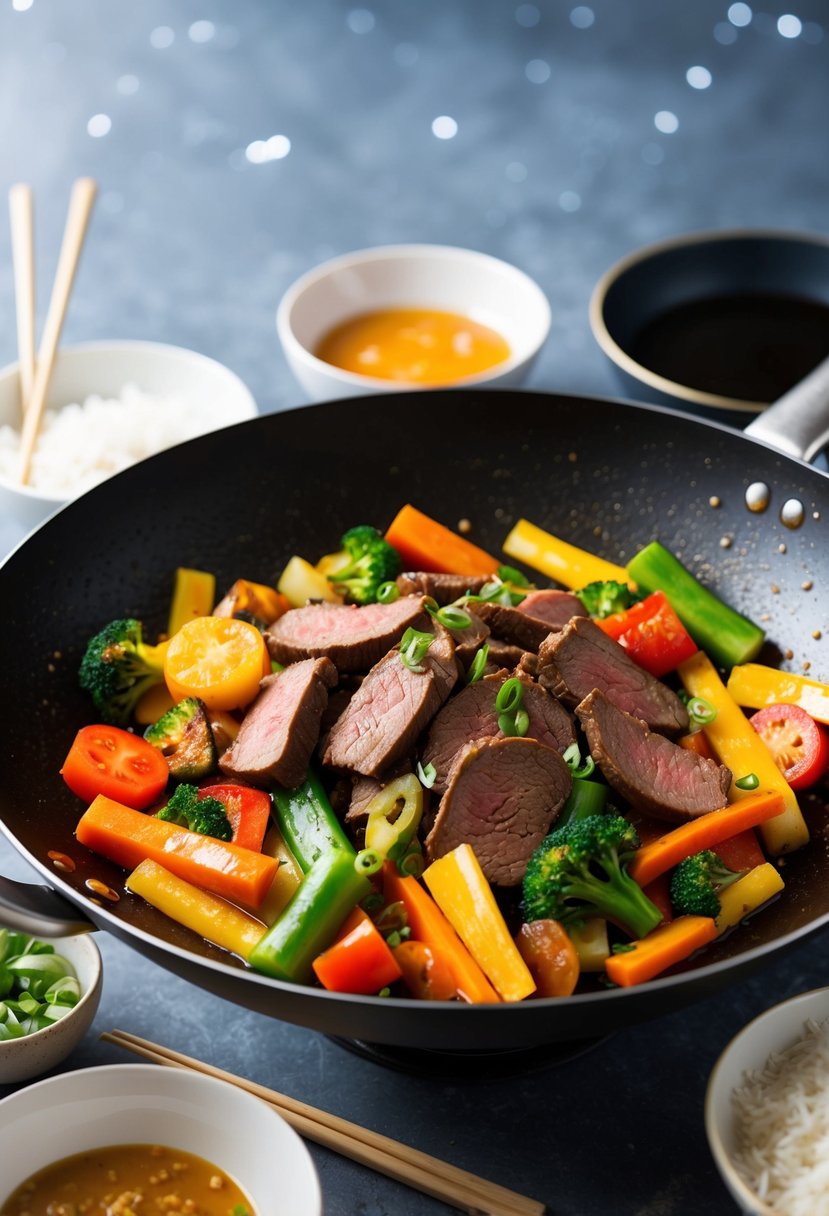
x=413, y=346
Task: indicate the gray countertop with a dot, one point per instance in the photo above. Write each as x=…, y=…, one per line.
x=236, y=146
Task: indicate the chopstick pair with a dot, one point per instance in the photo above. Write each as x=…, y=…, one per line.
x=415, y=1169
x=36, y=370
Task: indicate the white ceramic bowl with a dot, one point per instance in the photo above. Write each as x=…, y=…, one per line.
x=148, y=1104
x=104, y=369
x=479, y=286
x=36, y=1053
x=773, y=1031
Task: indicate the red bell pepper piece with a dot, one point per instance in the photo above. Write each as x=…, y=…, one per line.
x=248, y=811
x=652, y=634
x=359, y=961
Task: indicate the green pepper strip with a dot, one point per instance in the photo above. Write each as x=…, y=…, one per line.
x=585, y=798
x=389, y=832
x=308, y=823
x=725, y=634
x=310, y=921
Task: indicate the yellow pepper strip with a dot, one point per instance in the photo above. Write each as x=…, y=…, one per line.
x=152, y=704
x=737, y=745
x=566, y=564
x=389, y=825
x=756, y=686
x=194, y=592
x=285, y=881
x=300, y=582
x=746, y=894
x=214, y=919
x=461, y=891
x=590, y=940
x=664, y=947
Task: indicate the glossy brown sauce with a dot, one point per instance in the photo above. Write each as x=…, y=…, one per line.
x=123, y=1178
x=751, y=347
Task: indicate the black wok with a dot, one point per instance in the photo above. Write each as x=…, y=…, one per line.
x=607, y=475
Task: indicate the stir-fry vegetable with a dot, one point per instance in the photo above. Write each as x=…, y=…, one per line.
x=572, y=567
x=194, y=593
x=220, y=660
x=425, y=544
x=799, y=744
x=118, y=667
x=107, y=760
x=651, y=633
x=754, y=686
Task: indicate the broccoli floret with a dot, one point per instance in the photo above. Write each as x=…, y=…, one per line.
x=580, y=871
x=602, y=599
x=118, y=667
x=696, y=884
x=204, y=815
x=372, y=562
x=185, y=737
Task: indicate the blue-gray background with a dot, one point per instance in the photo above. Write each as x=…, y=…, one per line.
x=237, y=145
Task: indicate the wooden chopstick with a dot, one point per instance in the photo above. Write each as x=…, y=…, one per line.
x=454, y=1186
x=21, y=217
x=77, y=221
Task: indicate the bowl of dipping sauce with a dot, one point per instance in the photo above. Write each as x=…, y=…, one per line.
x=109, y=405
x=188, y=1142
x=765, y=1110
x=408, y=317
x=716, y=322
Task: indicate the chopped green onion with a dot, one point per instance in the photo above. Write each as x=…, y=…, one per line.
x=413, y=647
x=510, y=695
x=622, y=948
x=426, y=776
x=368, y=862
x=508, y=574
x=387, y=593
x=478, y=665
x=37, y=986
x=453, y=618
x=372, y=902
x=392, y=918
x=701, y=711
x=572, y=758
x=749, y=782
x=412, y=864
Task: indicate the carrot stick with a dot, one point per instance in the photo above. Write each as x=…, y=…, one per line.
x=126, y=836
x=697, y=743
x=212, y=918
x=429, y=925
x=667, y=945
x=702, y=833
x=424, y=544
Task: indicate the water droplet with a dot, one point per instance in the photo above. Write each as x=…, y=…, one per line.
x=758, y=497
x=792, y=513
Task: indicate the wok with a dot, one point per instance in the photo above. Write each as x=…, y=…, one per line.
x=607, y=475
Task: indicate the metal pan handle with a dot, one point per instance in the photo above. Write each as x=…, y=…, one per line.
x=798, y=423
x=39, y=910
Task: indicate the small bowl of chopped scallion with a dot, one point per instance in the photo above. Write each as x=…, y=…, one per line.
x=49, y=993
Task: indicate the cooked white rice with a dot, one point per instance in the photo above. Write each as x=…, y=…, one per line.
x=82, y=444
x=782, y=1126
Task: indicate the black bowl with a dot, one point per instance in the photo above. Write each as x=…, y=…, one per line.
x=719, y=323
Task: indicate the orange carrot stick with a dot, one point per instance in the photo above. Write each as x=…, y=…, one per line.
x=429, y=925
x=703, y=833
x=424, y=544
x=667, y=945
x=698, y=743
x=127, y=837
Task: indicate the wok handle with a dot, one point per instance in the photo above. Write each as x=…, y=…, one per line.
x=30, y=908
x=798, y=423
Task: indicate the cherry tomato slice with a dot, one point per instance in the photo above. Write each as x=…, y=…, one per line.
x=110, y=761
x=799, y=745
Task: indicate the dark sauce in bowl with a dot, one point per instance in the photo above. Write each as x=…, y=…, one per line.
x=753, y=347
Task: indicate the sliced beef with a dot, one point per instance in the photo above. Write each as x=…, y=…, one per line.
x=581, y=657
x=467, y=641
x=503, y=798
x=655, y=775
x=353, y=638
x=470, y=716
x=513, y=626
x=445, y=588
x=553, y=607
x=504, y=654
x=281, y=728
x=390, y=709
